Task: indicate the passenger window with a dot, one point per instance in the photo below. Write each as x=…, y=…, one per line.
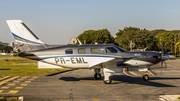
x=94, y=50
x=81, y=51
x=69, y=51
x=111, y=50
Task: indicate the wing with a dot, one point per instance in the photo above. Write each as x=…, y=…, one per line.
x=110, y=61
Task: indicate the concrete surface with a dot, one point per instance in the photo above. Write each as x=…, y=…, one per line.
x=79, y=85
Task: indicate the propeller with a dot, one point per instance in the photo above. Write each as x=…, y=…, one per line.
x=162, y=55
x=162, y=62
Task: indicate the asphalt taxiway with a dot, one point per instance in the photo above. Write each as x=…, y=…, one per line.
x=79, y=85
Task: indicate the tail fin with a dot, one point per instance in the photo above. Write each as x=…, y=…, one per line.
x=24, y=37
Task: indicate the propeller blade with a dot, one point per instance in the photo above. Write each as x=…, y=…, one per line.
x=162, y=55
x=165, y=64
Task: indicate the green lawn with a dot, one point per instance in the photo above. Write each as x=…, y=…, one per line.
x=17, y=66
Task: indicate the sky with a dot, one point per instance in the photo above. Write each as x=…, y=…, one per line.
x=57, y=21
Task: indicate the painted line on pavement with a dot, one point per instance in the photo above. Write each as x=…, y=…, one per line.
x=12, y=85
x=19, y=88
x=24, y=84
x=95, y=99
x=5, y=87
x=5, y=77
x=7, y=80
x=13, y=91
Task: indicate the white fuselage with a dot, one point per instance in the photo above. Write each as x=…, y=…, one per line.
x=78, y=62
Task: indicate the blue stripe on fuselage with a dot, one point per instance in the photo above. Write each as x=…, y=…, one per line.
x=24, y=39
x=78, y=56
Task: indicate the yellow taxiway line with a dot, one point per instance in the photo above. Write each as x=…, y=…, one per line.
x=5, y=81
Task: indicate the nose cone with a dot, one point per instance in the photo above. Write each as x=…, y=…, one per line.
x=156, y=55
x=166, y=56
x=147, y=56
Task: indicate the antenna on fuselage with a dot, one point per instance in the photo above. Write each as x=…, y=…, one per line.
x=79, y=41
x=74, y=41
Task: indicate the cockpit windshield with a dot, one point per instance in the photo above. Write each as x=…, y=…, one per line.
x=120, y=49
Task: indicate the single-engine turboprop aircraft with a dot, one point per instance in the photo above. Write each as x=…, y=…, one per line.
x=109, y=58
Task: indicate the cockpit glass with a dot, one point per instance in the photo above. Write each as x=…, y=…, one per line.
x=111, y=50
x=120, y=49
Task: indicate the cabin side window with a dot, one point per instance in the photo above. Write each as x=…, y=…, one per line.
x=68, y=51
x=81, y=50
x=111, y=50
x=94, y=50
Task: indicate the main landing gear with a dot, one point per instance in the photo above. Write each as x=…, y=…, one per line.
x=107, y=81
x=107, y=75
x=97, y=76
x=107, y=78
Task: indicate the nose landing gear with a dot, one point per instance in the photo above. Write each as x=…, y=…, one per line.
x=145, y=77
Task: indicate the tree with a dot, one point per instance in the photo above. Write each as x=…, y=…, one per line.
x=1, y=48
x=168, y=39
x=150, y=39
x=6, y=49
x=177, y=48
x=127, y=29
x=96, y=36
x=141, y=37
x=145, y=39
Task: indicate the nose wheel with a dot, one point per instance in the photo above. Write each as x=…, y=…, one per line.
x=97, y=76
x=145, y=77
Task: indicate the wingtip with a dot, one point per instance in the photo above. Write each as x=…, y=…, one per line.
x=14, y=21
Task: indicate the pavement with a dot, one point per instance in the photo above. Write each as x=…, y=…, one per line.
x=79, y=85
x=12, y=84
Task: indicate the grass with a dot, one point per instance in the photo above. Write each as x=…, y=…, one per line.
x=17, y=66
x=11, y=99
x=179, y=98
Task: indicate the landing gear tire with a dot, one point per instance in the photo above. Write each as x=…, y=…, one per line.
x=107, y=81
x=145, y=77
x=97, y=76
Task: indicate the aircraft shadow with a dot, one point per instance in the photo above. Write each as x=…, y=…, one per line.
x=4, y=68
x=58, y=73
x=117, y=79
x=69, y=79
x=164, y=78
x=140, y=81
x=75, y=79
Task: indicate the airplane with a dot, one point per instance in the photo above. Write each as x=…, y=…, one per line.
x=108, y=58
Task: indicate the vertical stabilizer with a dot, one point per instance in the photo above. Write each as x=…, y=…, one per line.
x=24, y=37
